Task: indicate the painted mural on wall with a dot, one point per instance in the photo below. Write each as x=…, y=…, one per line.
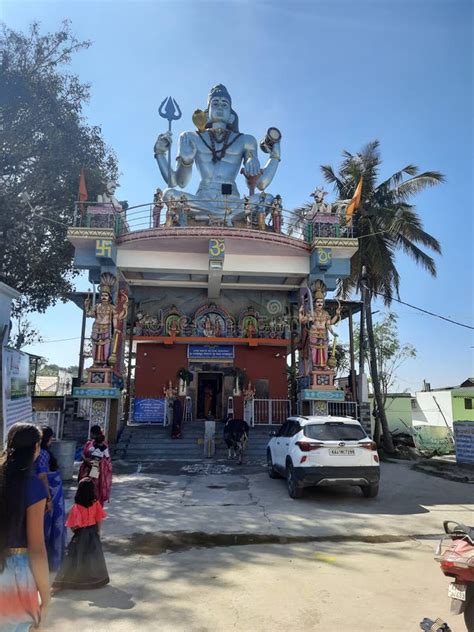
x=212, y=321
x=174, y=322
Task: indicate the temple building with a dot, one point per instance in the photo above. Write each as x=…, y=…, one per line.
x=215, y=298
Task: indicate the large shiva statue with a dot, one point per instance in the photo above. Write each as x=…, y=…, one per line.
x=219, y=150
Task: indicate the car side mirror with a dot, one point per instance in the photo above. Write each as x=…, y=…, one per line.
x=272, y=433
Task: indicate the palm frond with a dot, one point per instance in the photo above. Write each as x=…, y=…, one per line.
x=377, y=252
x=417, y=184
x=331, y=177
x=407, y=224
x=420, y=257
x=397, y=178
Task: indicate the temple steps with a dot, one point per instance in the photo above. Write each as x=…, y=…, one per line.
x=152, y=443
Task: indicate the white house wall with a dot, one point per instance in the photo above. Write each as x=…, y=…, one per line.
x=195, y=263
x=427, y=412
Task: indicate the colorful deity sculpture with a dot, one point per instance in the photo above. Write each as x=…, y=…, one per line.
x=318, y=322
x=218, y=149
x=169, y=391
x=157, y=207
x=107, y=320
x=249, y=392
x=276, y=210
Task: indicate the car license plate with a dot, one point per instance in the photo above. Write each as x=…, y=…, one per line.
x=457, y=591
x=341, y=451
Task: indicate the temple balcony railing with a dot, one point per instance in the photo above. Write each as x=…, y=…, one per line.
x=142, y=217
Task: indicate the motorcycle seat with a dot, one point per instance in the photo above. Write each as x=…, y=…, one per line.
x=458, y=531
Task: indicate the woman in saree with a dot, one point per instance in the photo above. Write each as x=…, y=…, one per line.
x=55, y=516
x=97, y=464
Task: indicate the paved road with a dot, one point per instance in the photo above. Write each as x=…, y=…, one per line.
x=348, y=587
x=179, y=555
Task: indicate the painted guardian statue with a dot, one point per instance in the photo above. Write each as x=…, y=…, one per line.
x=219, y=150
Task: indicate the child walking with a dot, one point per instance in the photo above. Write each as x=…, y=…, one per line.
x=84, y=565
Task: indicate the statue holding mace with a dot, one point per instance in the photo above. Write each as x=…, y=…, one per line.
x=319, y=323
x=105, y=334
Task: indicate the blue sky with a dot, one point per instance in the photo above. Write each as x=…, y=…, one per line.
x=332, y=76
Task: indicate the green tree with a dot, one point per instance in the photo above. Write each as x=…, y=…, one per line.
x=390, y=352
x=45, y=141
x=386, y=223
x=23, y=333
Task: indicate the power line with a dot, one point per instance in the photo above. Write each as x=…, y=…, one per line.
x=45, y=342
x=425, y=311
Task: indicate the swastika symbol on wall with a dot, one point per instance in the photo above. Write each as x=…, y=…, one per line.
x=103, y=248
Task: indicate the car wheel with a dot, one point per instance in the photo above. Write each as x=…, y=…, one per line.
x=272, y=473
x=294, y=490
x=370, y=491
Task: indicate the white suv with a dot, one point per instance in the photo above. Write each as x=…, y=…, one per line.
x=317, y=451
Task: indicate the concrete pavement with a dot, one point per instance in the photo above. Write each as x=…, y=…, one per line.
x=180, y=555
x=409, y=503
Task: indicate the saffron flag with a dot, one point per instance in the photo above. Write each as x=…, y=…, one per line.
x=82, y=190
x=355, y=202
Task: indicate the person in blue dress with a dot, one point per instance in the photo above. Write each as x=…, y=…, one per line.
x=55, y=516
x=24, y=577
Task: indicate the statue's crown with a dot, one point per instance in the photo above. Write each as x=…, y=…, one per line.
x=319, y=290
x=107, y=282
x=219, y=91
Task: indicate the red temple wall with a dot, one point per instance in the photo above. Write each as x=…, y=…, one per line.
x=157, y=363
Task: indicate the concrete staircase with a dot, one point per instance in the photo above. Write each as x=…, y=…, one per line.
x=154, y=443
x=76, y=426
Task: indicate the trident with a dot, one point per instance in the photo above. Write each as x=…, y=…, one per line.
x=170, y=111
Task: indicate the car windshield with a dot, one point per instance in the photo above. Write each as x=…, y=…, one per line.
x=334, y=431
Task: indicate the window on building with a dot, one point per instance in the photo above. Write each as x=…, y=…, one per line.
x=468, y=403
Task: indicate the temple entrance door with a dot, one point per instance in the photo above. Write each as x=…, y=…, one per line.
x=209, y=396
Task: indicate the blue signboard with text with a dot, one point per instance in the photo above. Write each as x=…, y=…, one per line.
x=329, y=396
x=211, y=353
x=95, y=392
x=149, y=410
x=464, y=441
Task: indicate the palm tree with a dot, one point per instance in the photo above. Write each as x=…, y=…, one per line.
x=386, y=223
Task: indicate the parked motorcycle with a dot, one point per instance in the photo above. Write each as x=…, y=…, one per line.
x=455, y=554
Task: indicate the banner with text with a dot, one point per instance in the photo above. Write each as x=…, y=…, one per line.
x=149, y=410
x=15, y=388
x=210, y=353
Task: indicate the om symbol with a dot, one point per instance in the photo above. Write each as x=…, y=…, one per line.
x=216, y=248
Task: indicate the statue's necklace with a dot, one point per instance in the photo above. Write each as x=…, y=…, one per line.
x=218, y=154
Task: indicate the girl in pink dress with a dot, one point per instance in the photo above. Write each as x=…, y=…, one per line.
x=84, y=565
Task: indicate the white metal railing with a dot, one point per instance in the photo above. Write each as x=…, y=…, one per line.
x=271, y=411
x=188, y=409
x=336, y=409
x=344, y=409
x=51, y=418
